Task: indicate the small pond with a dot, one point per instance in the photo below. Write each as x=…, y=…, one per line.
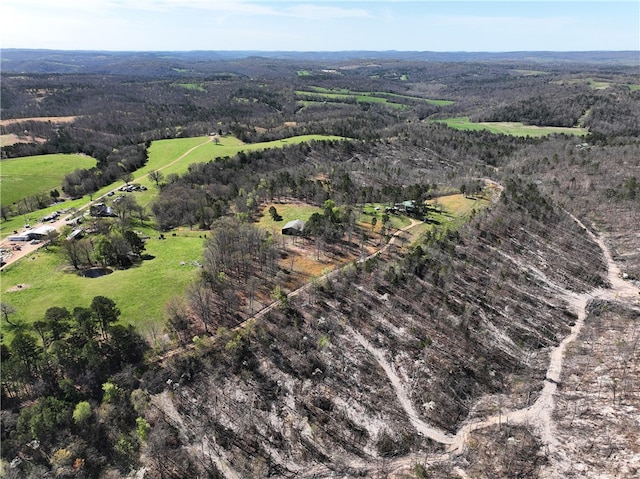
x=96, y=272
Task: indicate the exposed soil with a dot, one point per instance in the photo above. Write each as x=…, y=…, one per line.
x=18, y=287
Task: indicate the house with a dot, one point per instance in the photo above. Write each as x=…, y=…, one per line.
x=100, y=209
x=293, y=228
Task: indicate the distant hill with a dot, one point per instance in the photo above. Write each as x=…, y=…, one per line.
x=174, y=63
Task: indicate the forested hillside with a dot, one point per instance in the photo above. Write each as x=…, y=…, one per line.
x=416, y=327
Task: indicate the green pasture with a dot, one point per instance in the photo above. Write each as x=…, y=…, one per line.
x=510, y=128
x=168, y=156
x=288, y=211
x=595, y=84
x=30, y=175
x=164, y=153
x=190, y=86
x=633, y=87
x=369, y=212
x=140, y=292
x=364, y=97
x=524, y=72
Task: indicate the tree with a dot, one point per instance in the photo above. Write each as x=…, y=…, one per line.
x=105, y=312
x=127, y=177
x=136, y=243
x=123, y=208
x=177, y=318
x=50, y=238
x=25, y=348
x=156, y=176
x=7, y=310
x=82, y=412
x=202, y=302
x=77, y=252
x=274, y=213
x=280, y=296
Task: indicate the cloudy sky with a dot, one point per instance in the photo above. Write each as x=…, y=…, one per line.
x=320, y=25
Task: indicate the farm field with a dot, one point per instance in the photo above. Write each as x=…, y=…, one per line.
x=364, y=97
x=31, y=175
x=510, y=128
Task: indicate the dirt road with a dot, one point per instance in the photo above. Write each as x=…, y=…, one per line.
x=538, y=416
x=27, y=247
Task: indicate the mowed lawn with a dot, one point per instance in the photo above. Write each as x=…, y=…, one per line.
x=21, y=177
x=510, y=128
x=140, y=292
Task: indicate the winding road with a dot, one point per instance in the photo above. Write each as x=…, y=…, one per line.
x=539, y=415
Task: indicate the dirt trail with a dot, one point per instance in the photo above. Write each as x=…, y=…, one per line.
x=422, y=427
x=539, y=414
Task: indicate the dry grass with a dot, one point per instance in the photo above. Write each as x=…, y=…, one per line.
x=53, y=119
x=12, y=139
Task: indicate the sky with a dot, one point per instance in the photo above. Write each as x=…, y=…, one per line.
x=321, y=25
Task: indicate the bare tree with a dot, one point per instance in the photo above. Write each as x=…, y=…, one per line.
x=156, y=176
x=202, y=302
x=7, y=310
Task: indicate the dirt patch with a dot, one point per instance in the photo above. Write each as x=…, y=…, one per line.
x=18, y=287
x=12, y=139
x=54, y=119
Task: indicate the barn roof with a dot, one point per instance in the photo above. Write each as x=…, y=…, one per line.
x=294, y=224
x=43, y=230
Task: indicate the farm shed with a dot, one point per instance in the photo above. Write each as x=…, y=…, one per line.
x=40, y=233
x=76, y=234
x=293, y=228
x=13, y=238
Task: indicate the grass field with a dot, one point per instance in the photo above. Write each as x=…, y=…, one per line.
x=163, y=152
x=364, y=97
x=21, y=177
x=288, y=211
x=140, y=292
x=169, y=156
x=510, y=128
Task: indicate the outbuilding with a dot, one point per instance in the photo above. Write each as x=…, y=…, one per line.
x=40, y=233
x=293, y=228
